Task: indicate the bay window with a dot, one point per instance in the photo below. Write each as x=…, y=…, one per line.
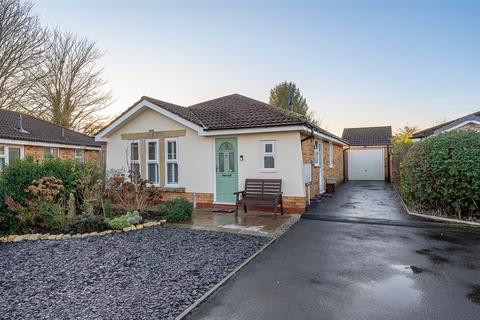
x=152, y=161
x=171, y=161
x=134, y=158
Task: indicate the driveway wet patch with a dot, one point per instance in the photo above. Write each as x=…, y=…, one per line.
x=435, y=258
x=444, y=237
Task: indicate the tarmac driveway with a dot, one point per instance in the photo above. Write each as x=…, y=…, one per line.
x=360, y=270
x=362, y=199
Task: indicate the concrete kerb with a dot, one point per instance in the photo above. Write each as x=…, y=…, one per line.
x=430, y=217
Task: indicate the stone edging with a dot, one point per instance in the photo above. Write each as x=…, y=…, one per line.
x=290, y=222
x=47, y=236
x=427, y=216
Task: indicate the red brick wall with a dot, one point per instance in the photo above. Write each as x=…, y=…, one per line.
x=66, y=154
x=34, y=151
x=337, y=172
x=205, y=200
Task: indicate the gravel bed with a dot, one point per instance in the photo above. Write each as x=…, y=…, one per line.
x=150, y=274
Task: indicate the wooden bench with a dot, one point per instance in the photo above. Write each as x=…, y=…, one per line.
x=261, y=193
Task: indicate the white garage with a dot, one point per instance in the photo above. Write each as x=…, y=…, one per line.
x=366, y=164
x=368, y=157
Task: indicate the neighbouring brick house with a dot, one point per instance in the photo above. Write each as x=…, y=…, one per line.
x=204, y=152
x=368, y=157
x=468, y=122
x=22, y=135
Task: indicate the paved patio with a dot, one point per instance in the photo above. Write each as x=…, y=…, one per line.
x=251, y=223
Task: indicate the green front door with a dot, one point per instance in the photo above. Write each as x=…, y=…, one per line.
x=226, y=169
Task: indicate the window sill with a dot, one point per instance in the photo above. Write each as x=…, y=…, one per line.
x=268, y=170
x=171, y=188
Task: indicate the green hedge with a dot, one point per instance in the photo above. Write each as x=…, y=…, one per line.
x=442, y=174
x=19, y=174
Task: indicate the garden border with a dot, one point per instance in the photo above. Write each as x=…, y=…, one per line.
x=427, y=216
x=67, y=236
x=290, y=222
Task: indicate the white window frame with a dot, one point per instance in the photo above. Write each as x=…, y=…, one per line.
x=167, y=161
x=154, y=161
x=81, y=158
x=330, y=154
x=272, y=154
x=57, y=153
x=129, y=156
x=6, y=153
x=316, y=152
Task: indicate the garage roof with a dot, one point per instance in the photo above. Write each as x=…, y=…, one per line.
x=368, y=136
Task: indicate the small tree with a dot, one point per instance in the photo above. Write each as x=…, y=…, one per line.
x=284, y=92
x=401, y=142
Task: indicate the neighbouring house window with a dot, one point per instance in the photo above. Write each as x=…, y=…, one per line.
x=317, y=153
x=171, y=161
x=2, y=157
x=268, y=155
x=152, y=161
x=80, y=155
x=50, y=152
x=134, y=157
x=330, y=155
x=9, y=154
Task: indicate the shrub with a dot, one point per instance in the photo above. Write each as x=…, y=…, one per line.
x=18, y=176
x=86, y=223
x=124, y=221
x=442, y=174
x=176, y=210
x=15, y=178
x=52, y=216
x=131, y=195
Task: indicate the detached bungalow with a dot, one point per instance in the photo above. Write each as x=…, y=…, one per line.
x=22, y=135
x=205, y=152
x=468, y=122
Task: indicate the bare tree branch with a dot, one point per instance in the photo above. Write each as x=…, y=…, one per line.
x=22, y=44
x=71, y=91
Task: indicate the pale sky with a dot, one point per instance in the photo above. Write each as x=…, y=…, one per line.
x=358, y=63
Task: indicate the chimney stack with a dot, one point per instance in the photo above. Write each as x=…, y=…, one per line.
x=19, y=123
x=290, y=104
x=63, y=132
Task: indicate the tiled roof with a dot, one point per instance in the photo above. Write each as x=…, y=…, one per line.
x=180, y=111
x=237, y=111
x=429, y=131
x=40, y=131
x=369, y=136
x=231, y=112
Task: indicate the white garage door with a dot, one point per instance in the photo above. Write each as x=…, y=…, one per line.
x=366, y=164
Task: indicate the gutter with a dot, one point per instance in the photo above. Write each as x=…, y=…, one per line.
x=309, y=128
